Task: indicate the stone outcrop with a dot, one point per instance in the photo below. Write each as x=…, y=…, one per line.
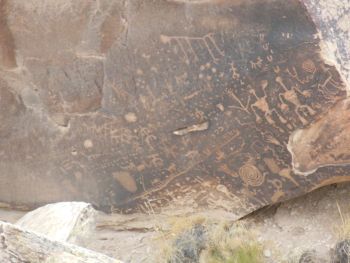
x=143, y=106
x=66, y=221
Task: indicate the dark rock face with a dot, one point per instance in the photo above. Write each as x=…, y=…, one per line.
x=137, y=106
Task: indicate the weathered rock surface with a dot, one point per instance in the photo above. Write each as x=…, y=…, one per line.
x=146, y=105
x=66, y=221
x=324, y=143
x=18, y=245
x=333, y=22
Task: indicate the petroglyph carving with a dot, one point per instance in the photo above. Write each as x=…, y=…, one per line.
x=235, y=74
x=187, y=44
x=309, y=66
x=256, y=64
x=224, y=168
x=251, y=175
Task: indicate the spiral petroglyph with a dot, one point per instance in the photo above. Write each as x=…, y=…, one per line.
x=251, y=175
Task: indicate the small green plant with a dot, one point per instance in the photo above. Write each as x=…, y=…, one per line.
x=248, y=253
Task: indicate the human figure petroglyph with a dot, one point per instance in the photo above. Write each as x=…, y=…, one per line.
x=235, y=73
x=262, y=104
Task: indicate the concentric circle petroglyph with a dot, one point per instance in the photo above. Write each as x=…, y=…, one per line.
x=251, y=175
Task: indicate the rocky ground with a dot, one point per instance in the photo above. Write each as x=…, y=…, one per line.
x=310, y=222
x=313, y=223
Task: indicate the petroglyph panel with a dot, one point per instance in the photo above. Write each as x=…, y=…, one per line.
x=143, y=106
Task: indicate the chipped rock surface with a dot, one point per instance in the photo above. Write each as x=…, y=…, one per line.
x=94, y=96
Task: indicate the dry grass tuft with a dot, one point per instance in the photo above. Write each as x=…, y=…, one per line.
x=196, y=239
x=181, y=224
x=343, y=230
x=180, y=234
x=232, y=244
